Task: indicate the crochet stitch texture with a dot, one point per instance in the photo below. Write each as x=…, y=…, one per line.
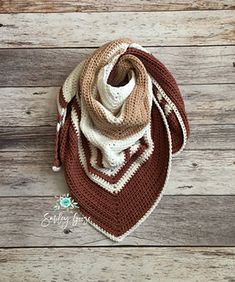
x=120, y=119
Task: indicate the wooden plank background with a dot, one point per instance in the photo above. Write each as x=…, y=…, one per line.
x=144, y=264
x=177, y=221
x=67, y=29
x=191, y=234
x=49, y=67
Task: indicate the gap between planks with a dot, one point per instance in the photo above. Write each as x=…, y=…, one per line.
x=95, y=47
x=46, y=6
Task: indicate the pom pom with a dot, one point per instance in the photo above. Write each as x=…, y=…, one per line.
x=56, y=168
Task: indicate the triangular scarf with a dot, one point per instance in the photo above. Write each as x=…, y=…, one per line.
x=120, y=119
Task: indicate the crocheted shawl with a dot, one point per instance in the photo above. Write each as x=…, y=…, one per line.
x=120, y=119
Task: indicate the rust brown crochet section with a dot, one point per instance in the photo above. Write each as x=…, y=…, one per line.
x=117, y=213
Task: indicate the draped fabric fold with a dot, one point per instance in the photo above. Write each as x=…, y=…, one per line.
x=121, y=117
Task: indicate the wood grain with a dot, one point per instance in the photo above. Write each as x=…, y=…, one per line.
x=193, y=172
x=46, y=6
x=50, y=67
x=42, y=138
x=205, y=104
x=177, y=221
x=41, y=42
x=148, y=28
x=105, y=264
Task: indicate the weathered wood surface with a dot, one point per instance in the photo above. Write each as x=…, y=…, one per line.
x=50, y=67
x=35, y=106
x=93, y=29
x=42, y=138
x=47, y=6
x=205, y=104
x=193, y=172
x=197, y=208
x=210, y=104
x=177, y=221
x=118, y=264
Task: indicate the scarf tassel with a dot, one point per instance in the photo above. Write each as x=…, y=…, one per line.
x=57, y=163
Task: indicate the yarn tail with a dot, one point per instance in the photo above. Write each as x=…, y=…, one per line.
x=61, y=114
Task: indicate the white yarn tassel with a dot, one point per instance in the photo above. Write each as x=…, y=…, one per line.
x=56, y=168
